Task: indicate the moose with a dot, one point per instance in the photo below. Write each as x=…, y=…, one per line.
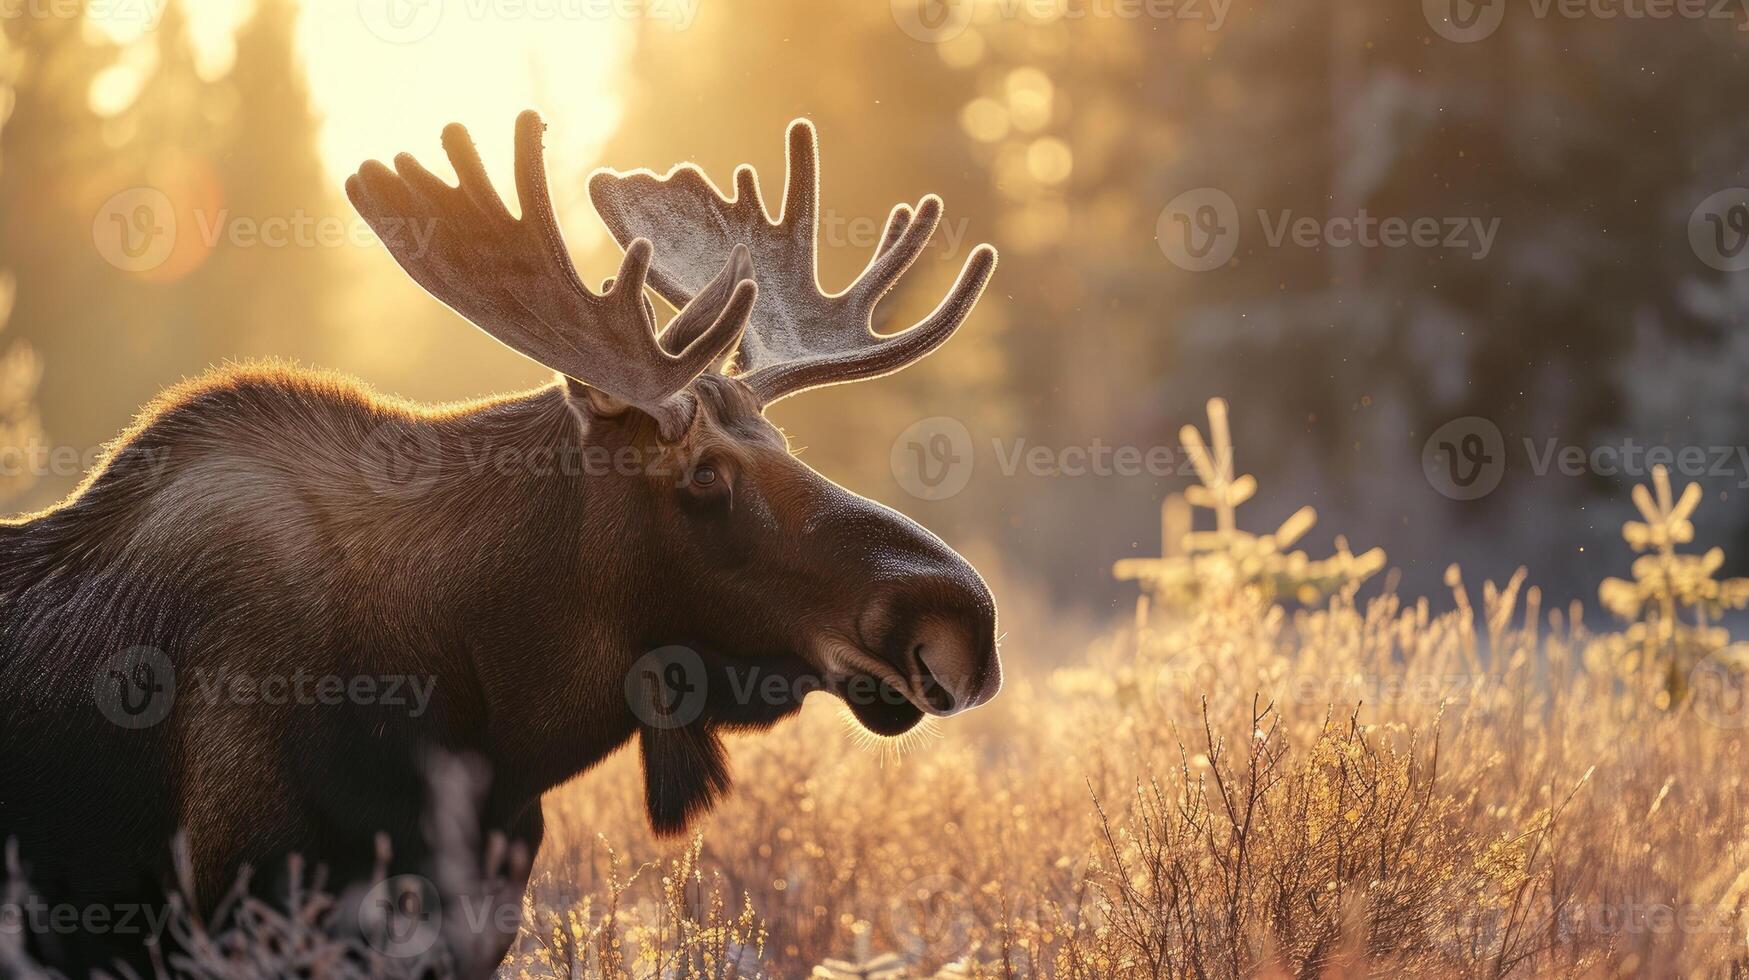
x=307, y=542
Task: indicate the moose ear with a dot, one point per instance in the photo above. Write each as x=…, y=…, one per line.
x=686, y=769
x=591, y=405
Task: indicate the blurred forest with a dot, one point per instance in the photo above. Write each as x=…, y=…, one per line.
x=1057, y=138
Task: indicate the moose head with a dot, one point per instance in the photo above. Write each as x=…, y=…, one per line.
x=743, y=556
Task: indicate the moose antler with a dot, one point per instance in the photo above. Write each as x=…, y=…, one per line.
x=800, y=336
x=513, y=278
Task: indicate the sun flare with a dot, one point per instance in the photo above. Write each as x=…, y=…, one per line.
x=386, y=77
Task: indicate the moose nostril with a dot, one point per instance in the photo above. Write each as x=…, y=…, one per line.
x=933, y=690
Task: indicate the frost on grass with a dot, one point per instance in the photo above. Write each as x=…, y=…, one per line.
x=1246, y=778
x=1193, y=562
x=1673, y=601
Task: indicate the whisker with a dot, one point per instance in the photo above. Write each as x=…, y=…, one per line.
x=891, y=747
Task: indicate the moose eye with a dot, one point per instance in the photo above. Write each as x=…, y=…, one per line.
x=710, y=483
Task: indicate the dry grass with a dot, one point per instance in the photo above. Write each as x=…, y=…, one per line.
x=1225, y=788
x=1240, y=791
x=1366, y=787
x=1221, y=787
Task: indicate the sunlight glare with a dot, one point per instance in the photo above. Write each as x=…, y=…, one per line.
x=377, y=92
x=477, y=65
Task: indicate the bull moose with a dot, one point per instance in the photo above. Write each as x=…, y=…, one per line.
x=309, y=544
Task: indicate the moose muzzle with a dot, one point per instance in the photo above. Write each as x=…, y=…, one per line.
x=937, y=633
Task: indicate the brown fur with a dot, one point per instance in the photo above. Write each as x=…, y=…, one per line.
x=247, y=524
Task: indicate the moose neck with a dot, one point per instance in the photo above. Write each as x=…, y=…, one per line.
x=541, y=582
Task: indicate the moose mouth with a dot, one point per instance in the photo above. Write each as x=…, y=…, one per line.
x=878, y=705
x=877, y=695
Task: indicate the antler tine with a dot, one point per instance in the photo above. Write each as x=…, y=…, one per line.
x=885, y=354
x=693, y=321
x=898, y=250
x=897, y=222
x=801, y=337
x=747, y=187
x=513, y=277
x=470, y=171
x=801, y=180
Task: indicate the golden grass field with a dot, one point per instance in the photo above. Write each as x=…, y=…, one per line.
x=1224, y=787
x=1225, y=784
x=1389, y=805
